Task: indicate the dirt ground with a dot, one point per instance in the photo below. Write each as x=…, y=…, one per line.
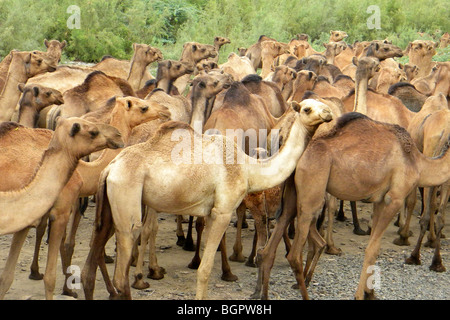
x=179, y=281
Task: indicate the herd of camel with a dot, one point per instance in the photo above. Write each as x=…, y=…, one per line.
x=352, y=123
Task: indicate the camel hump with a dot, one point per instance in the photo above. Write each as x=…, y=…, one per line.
x=252, y=78
x=170, y=126
x=398, y=85
x=7, y=126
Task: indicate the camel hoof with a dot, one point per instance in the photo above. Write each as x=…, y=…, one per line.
x=194, y=264
x=400, y=241
x=70, y=293
x=237, y=257
x=229, y=277
x=437, y=267
x=360, y=232
x=180, y=241
x=109, y=259
x=333, y=251
x=35, y=276
x=413, y=260
x=138, y=283
x=370, y=296
x=188, y=246
x=430, y=244
x=156, y=274
x=251, y=263
x=341, y=217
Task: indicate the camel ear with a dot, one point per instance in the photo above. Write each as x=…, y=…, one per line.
x=129, y=104
x=202, y=84
x=63, y=44
x=324, y=44
x=75, y=129
x=331, y=31
x=35, y=91
x=21, y=86
x=194, y=47
x=400, y=66
x=134, y=46
x=310, y=75
x=46, y=43
x=355, y=61
x=296, y=106
x=28, y=58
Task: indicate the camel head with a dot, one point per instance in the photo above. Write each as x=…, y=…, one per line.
x=38, y=96
x=383, y=50
x=146, y=54
x=242, y=51
x=421, y=48
x=284, y=74
x=336, y=36
x=173, y=69
x=210, y=84
x=411, y=71
x=300, y=49
x=273, y=49
x=313, y=112
x=314, y=62
x=220, y=41
x=302, y=36
x=206, y=66
x=366, y=67
x=35, y=62
x=54, y=48
x=194, y=52
x=306, y=78
x=81, y=137
x=135, y=111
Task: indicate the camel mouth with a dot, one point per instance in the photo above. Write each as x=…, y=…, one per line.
x=327, y=117
x=115, y=145
x=51, y=69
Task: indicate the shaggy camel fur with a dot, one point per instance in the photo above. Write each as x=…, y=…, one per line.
x=409, y=95
x=127, y=113
x=34, y=99
x=420, y=53
x=23, y=66
x=388, y=169
x=73, y=139
x=216, y=199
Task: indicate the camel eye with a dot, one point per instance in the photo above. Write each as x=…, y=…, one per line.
x=93, y=134
x=307, y=110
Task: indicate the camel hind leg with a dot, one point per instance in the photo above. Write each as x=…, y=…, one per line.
x=436, y=264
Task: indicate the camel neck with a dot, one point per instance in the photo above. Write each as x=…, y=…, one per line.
x=137, y=70
x=21, y=208
x=28, y=115
x=270, y=172
x=360, y=104
x=434, y=171
x=201, y=109
x=11, y=94
x=165, y=84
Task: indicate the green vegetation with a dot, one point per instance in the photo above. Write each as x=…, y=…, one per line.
x=110, y=27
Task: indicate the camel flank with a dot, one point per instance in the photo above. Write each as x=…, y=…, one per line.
x=219, y=190
x=73, y=139
x=329, y=160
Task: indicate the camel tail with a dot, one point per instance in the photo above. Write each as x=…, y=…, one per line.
x=53, y=114
x=103, y=209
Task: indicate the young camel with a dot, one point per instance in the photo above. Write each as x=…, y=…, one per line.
x=170, y=70
x=215, y=189
x=127, y=113
x=388, y=169
x=143, y=56
x=73, y=139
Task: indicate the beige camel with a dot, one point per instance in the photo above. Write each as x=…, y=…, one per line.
x=73, y=138
x=427, y=84
x=192, y=53
x=34, y=99
x=411, y=71
x=216, y=198
x=143, y=56
x=269, y=51
x=238, y=67
x=284, y=77
x=91, y=95
x=389, y=76
x=178, y=105
x=336, y=35
x=332, y=49
x=126, y=114
x=420, y=53
x=304, y=82
x=23, y=66
x=54, y=49
x=444, y=41
x=254, y=52
x=169, y=71
x=219, y=42
x=388, y=169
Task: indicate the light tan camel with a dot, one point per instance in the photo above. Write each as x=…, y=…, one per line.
x=418, y=127
x=55, y=48
x=23, y=66
x=269, y=51
x=192, y=53
x=143, y=56
x=238, y=67
x=126, y=114
x=387, y=77
x=178, y=105
x=444, y=41
x=89, y=96
x=170, y=70
x=216, y=198
x=73, y=138
x=219, y=42
x=254, y=52
x=336, y=35
x=284, y=77
x=427, y=84
x=420, y=53
x=34, y=99
x=388, y=169
x=332, y=49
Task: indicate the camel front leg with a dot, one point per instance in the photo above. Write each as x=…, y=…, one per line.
x=237, y=248
x=155, y=271
x=404, y=232
x=216, y=225
x=7, y=276
x=331, y=209
x=34, y=268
